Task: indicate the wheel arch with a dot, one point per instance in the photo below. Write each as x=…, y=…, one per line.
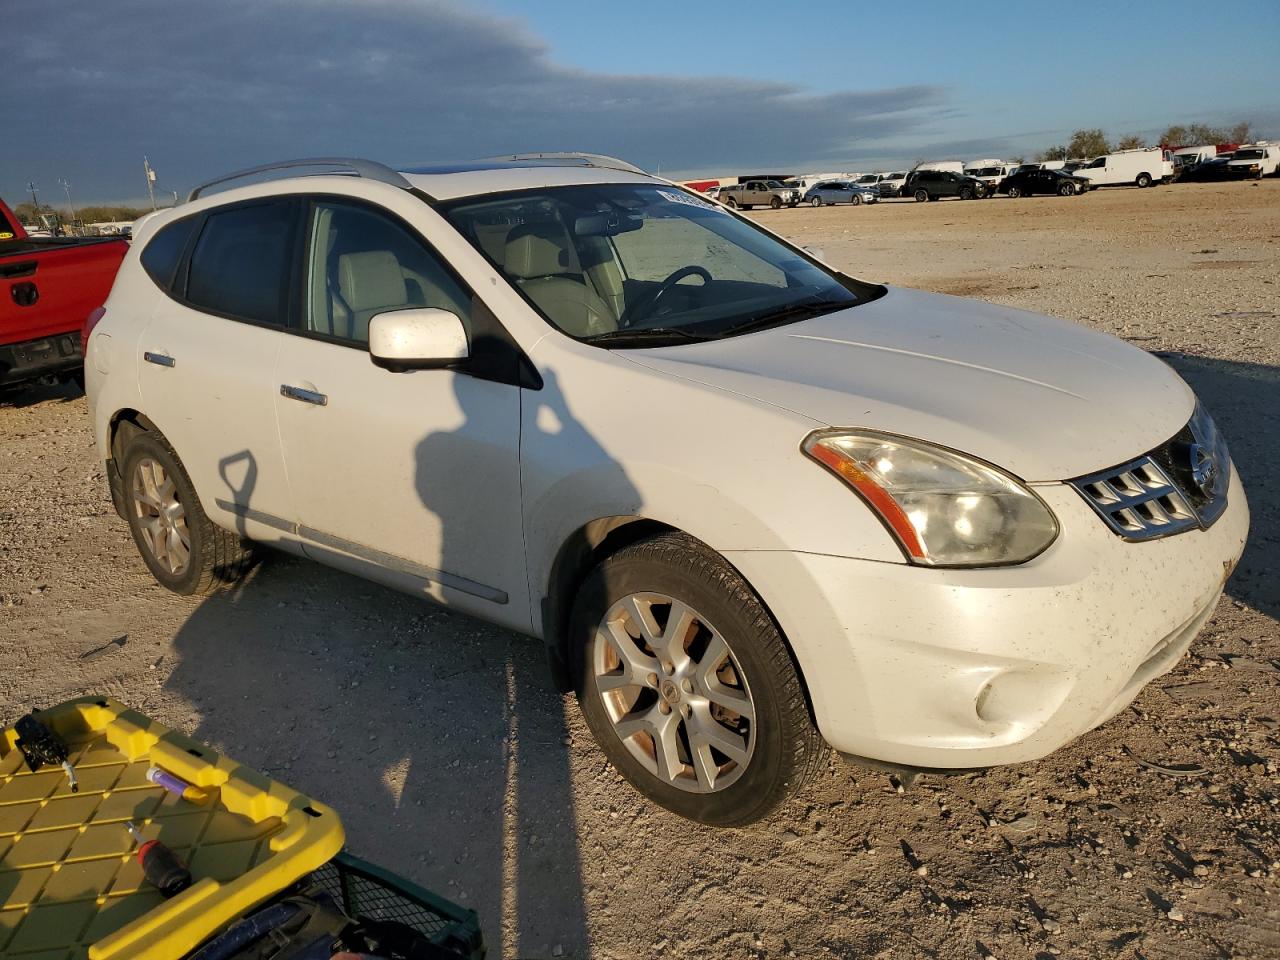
x=586, y=547
x=122, y=427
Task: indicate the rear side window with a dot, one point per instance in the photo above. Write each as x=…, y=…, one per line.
x=240, y=266
x=160, y=257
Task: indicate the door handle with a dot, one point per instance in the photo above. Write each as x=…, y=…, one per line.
x=159, y=359
x=306, y=396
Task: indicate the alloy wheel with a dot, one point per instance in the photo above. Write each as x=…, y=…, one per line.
x=162, y=520
x=674, y=693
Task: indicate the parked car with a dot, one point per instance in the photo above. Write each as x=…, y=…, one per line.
x=1255, y=161
x=1210, y=170
x=752, y=505
x=891, y=183
x=1186, y=159
x=713, y=193
x=1031, y=182
x=759, y=193
x=48, y=287
x=935, y=184
x=839, y=191
x=1140, y=168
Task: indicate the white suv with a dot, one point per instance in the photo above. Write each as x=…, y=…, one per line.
x=750, y=504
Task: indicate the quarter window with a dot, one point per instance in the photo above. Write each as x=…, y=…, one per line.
x=240, y=265
x=361, y=264
x=160, y=257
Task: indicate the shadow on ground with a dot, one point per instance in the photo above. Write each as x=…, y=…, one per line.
x=1244, y=399
x=437, y=737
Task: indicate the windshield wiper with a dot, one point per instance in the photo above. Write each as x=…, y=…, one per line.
x=647, y=337
x=796, y=311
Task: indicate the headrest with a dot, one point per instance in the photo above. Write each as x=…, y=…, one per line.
x=536, y=250
x=371, y=279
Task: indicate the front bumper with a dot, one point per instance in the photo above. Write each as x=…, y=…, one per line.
x=972, y=668
x=45, y=356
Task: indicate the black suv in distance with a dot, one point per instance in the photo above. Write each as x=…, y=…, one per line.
x=933, y=184
x=1023, y=183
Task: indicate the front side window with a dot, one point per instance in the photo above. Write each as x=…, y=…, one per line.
x=240, y=265
x=637, y=264
x=361, y=263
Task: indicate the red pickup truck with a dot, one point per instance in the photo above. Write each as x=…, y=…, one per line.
x=48, y=288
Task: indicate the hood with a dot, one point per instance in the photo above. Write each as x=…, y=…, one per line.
x=1045, y=399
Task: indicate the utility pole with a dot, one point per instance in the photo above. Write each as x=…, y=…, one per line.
x=151, y=181
x=35, y=200
x=70, y=206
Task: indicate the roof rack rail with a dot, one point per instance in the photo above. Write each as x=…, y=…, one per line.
x=583, y=159
x=366, y=169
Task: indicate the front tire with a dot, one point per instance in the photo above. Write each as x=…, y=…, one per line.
x=856, y=199
x=1066, y=190
x=1015, y=192
x=966, y=193
x=775, y=204
x=1143, y=181
x=688, y=685
x=815, y=202
x=180, y=545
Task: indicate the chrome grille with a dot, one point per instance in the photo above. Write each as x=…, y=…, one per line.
x=1138, y=500
x=1179, y=485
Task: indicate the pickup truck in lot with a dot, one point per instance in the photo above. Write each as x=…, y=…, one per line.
x=48, y=288
x=759, y=193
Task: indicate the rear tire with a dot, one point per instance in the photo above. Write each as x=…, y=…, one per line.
x=1143, y=181
x=180, y=545
x=922, y=195
x=734, y=652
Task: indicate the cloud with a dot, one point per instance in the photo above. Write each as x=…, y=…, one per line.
x=202, y=88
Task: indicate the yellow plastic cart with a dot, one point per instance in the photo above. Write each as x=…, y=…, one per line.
x=70, y=885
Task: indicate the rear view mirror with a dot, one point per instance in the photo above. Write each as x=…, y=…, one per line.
x=606, y=224
x=418, y=339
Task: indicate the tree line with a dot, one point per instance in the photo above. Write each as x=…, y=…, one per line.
x=28, y=213
x=1094, y=143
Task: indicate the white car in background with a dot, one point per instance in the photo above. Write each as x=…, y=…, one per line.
x=752, y=505
x=1255, y=161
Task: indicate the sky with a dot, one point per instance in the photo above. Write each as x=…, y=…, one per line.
x=202, y=88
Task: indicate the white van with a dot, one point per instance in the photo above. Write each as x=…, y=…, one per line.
x=1184, y=158
x=1141, y=168
x=1255, y=160
x=951, y=166
x=990, y=172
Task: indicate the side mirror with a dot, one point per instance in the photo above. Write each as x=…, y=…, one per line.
x=419, y=339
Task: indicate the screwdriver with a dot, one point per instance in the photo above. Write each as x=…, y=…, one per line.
x=160, y=865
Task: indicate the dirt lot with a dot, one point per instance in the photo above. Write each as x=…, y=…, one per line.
x=438, y=738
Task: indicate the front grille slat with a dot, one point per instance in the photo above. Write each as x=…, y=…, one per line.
x=1138, y=500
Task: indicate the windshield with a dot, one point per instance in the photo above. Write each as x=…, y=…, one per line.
x=1248, y=155
x=986, y=172
x=646, y=265
x=869, y=178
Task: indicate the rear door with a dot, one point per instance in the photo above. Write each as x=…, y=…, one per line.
x=207, y=370
x=410, y=478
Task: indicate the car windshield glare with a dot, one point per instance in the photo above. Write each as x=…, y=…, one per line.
x=631, y=263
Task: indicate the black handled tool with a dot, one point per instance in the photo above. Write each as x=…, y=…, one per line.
x=160, y=865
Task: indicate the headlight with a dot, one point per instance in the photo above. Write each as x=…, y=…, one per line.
x=943, y=508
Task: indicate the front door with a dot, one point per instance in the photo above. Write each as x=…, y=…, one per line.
x=411, y=478
x=207, y=372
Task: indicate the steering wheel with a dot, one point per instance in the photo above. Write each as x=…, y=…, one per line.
x=646, y=303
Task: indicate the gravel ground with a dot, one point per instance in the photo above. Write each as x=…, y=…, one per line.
x=452, y=762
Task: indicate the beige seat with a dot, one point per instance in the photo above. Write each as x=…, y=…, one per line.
x=370, y=283
x=538, y=258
